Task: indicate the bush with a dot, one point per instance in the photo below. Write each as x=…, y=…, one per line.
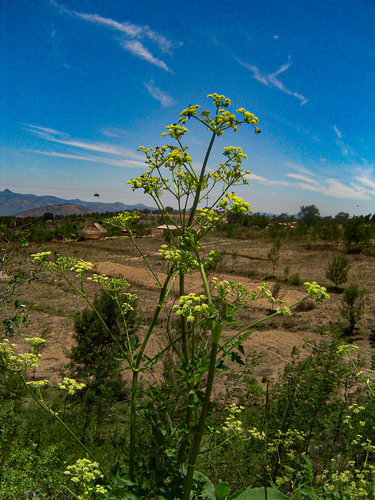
x=291, y=279
x=353, y=306
x=356, y=234
x=95, y=357
x=273, y=256
x=338, y=270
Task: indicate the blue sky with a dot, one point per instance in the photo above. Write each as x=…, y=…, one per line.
x=85, y=82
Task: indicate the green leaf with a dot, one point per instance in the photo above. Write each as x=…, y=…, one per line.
x=258, y=494
x=208, y=488
x=222, y=491
x=297, y=495
x=236, y=358
x=236, y=494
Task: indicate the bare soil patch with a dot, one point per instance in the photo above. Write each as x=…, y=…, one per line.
x=53, y=305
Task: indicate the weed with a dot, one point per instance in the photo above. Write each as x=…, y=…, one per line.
x=273, y=256
x=338, y=270
x=353, y=306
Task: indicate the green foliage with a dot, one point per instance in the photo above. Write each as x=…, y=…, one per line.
x=96, y=357
x=328, y=231
x=291, y=279
x=309, y=214
x=356, y=234
x=48, y=216
x=338, y=270
x=353, y=306
x=214, y=262
x=273, y=256
x=30, y=474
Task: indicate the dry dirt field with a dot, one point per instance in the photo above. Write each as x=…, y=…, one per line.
x=53, y=304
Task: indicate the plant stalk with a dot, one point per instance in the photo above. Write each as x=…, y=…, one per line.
x=204, y=412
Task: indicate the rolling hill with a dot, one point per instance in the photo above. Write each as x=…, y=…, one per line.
x=23, y=205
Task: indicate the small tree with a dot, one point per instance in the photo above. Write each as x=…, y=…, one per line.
x=95, y=357
x=353, y=306
x=273, y=255
x=338, y=270
x=356, y=233
x=309, y=214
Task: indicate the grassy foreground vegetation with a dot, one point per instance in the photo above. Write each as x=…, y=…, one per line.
x=105, y=432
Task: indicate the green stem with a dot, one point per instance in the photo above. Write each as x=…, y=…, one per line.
x=189, y=413
x=204, y=412
x=185, y=343
x=200, y=182
x=135, y=369
x=133, y=417
x=186, y=352
x=162, y=296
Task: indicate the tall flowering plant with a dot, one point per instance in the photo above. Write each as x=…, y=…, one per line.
x=170, y=170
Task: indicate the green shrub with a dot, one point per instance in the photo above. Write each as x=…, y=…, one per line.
x=291, y=279
x=273, y=256
x=96, y=358
x=356, y=234
x=338, y=270
x=353, y=306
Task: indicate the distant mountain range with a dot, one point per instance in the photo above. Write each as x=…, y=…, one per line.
x=31, y=205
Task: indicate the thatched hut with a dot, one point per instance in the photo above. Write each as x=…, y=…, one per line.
x=93, y=231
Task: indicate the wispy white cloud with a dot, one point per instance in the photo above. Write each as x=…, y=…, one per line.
x=263, y=180
x=138, y=49
x=165, y=99
x=337, y=131
x=115, y=132
x=272, y=80
x=304, y=178
x=131, y=30
x=99, y=152
x=345, y=148
x=126, y=163
x=298, y=168
x=331, y=187
x=130, y=36
x=337, y=189
x=57, y=137
x=364, y=179
x=256, y=72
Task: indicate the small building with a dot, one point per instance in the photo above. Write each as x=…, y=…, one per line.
x=164, y=229
x=93, y=231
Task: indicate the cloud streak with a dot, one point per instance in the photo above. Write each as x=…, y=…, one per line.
x=165, y=99
x=263, y=180
x=365, y=181
x=138, y=49
x=331, y=187
x=272, y=80
x=126, y=163
x=337, y=131
x=131, y=37
x=99, y=152
x=131, y=30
